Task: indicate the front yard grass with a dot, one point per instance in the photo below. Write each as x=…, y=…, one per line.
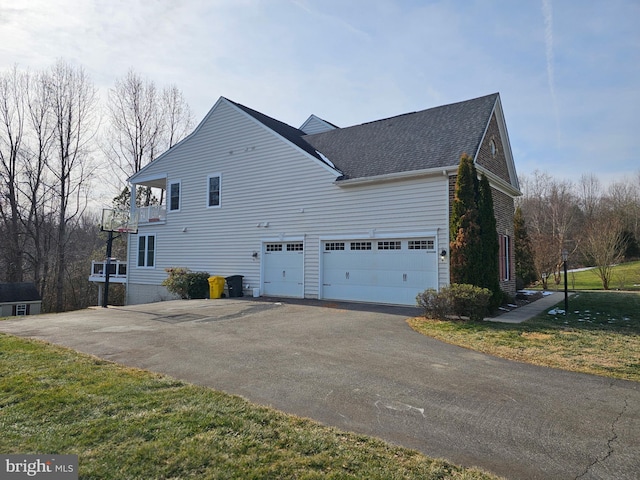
x=129, y=423
x=626, y=276
x=600, y=335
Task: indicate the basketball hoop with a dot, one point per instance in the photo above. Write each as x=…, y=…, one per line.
x=119, y=220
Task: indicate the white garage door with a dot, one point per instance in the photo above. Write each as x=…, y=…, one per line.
x=283, y=269
x=380, y=271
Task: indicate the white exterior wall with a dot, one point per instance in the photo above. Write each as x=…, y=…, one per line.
x=265, y=180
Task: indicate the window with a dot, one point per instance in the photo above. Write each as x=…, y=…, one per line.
x=492, y=146
x=174, y=196
x=504, y=259
x=274, y=247
x=213, y=190
x=421, y=244
x=146, y=250
x=329, y=246
x=393, y=245
x=21, y=309
x=360, y=245
x=294, y=247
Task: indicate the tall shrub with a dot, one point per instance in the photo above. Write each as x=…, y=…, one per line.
x=466, y=243
x=489, y=242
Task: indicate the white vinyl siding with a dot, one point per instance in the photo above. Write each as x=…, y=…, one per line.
x=272, y=189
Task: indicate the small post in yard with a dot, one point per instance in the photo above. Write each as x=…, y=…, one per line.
x=565, y=257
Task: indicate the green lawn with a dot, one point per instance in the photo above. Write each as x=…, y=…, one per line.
x=626, y=276
x=600, y=335
x=125, y=423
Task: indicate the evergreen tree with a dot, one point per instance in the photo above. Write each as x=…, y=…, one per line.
x=525, y=267
x=466, y=243
x=489, y=243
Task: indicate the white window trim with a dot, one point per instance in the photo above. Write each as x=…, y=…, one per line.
x=146, y=250
x=169, y=209
x=23, y=308
x=209, y=177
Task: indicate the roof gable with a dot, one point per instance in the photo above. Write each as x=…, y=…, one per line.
x=315, y=124
x=18, y=292
x=286, y=132
x=418, y=141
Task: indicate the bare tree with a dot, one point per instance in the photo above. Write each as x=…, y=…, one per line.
x=73, y=106
x=143, y=123
x=623, y=198
x=550, y=209
x=37, y=188
x=135, y=123
x=603, y=243
x=589, y=194
x=13, y=89
x=177, y=116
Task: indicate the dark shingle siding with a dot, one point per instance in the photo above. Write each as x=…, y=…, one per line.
x=18, y=292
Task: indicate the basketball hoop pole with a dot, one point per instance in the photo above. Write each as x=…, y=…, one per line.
x=105, y=298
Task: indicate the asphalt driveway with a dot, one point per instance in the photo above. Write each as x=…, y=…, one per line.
x=361, y=368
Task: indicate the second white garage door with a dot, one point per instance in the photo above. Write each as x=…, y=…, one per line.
x=380, y=271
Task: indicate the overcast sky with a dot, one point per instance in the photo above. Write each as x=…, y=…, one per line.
x=568, y=71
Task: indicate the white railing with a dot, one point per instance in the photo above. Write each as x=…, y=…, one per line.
x=152, y=213
x=117, y=271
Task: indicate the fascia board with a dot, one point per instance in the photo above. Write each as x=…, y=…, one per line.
x=506, y=144
x=498, y=183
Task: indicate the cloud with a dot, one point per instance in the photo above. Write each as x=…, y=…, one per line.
x=547, y=12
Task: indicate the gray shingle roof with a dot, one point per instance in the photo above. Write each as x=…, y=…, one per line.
x=421, y=140
x=430, y=138
x=18, y=292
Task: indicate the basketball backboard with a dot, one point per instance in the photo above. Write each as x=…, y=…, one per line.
x=118, y=220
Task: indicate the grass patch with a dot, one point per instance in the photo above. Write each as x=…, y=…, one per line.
x=626, y=276
x=600, y=335
x=129, y=423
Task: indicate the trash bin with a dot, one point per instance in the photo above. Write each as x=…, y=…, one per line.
x=234, y=283
x=216, y=287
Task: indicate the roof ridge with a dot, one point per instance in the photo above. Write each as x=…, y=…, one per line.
x=437, y=107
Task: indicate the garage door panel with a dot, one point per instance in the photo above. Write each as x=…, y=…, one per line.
x=283, y=272
x=390, y=272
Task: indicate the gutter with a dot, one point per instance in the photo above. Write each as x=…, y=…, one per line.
x=397, y=176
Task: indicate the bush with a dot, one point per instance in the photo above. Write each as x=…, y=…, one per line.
x=461, y=300
x=185, y=283
x=470, y=301
x=435, y=304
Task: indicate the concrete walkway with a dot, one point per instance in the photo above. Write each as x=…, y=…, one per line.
x=530, y=310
